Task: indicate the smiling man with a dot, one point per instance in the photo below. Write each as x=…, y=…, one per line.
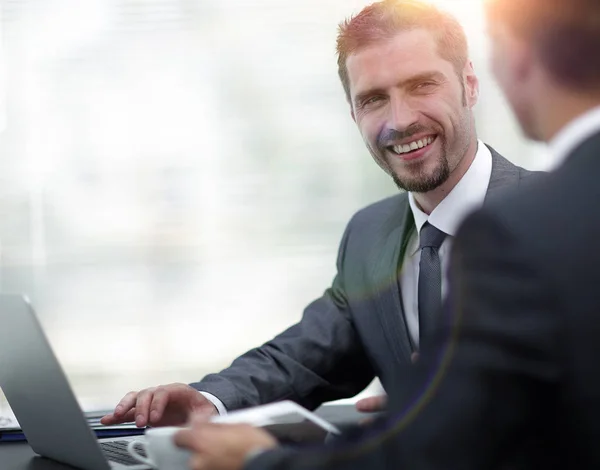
x=412, y=99
x=518, y=385
x=411, y=90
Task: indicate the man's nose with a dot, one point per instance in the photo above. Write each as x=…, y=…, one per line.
x=402, y=115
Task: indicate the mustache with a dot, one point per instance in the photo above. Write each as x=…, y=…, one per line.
x=388, y=136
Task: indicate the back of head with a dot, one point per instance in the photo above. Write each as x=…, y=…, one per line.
x=564, y=34
x=385, y=19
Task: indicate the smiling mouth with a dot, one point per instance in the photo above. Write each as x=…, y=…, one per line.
x=412, y=146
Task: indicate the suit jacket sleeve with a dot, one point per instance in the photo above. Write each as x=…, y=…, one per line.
x=319, y=359
x=484, y=398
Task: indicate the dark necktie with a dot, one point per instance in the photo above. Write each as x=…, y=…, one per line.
x=430, y=281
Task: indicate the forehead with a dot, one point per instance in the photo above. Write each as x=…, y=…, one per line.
x=390, y=61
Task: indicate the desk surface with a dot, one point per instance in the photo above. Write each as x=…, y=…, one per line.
x=19, y=456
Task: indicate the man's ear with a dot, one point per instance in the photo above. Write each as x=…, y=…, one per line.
x=523, y=61
x=514, y=59
x=352, y=113
x=471, y=85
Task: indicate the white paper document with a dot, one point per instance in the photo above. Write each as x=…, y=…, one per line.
x=287, y=420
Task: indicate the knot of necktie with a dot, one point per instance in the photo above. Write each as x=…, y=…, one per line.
x=431, y=236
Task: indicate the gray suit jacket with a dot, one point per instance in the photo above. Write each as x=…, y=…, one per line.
x=356, y=330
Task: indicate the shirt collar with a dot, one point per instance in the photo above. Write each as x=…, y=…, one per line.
x=573, y=134
x=468, y=194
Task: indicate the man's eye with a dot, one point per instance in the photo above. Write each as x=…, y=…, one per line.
x=372, y=100
x=425, y=85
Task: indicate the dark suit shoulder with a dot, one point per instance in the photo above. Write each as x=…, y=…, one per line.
x=392, y=208
x=529, y=176
x=546, y=211
x=519, y=206
x=507, y=177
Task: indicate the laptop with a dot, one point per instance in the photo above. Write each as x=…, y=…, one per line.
x=42, y=400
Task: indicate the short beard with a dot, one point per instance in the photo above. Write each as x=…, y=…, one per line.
x=422, y=184
x=425, y=184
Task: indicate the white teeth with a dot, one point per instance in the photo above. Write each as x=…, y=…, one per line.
x=418, y=144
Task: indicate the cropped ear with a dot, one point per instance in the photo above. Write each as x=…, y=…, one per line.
x=513, y=60
x=471, y=85
x=522, y=61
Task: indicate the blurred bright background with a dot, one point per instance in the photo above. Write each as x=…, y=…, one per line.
x=175, y=175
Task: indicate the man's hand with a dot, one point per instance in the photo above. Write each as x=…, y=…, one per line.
x=372, y=404
x=217, y=446
x=166, y=405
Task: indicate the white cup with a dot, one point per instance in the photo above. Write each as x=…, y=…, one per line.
x=161, y=451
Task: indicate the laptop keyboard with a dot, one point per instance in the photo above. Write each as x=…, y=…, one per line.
x=116, y=451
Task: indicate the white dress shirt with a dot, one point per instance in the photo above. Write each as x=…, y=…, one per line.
x=573, y=134
x=215, y=401
x=467, y=196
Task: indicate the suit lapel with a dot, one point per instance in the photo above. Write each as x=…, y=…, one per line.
x=388, y=257
x=389, y=251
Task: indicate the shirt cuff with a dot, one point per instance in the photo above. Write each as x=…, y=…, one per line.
x=215, y=401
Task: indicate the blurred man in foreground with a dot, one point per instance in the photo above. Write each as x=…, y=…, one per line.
x=411, y=88
x=517, y=385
